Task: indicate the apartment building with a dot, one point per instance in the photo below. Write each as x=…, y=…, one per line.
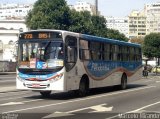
x=137, y=24
x=17, y=11
x=152, y=12
x=118, y=23
x=84, y=6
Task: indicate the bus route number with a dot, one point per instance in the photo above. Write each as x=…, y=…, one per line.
x=28, y=36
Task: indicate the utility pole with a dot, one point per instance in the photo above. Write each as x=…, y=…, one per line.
x=96, y=4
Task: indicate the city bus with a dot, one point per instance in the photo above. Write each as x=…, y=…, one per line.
x=61, y=61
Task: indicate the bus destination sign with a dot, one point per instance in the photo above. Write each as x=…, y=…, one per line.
x=40, y=35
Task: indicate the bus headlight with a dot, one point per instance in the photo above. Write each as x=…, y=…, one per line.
x=56, y=77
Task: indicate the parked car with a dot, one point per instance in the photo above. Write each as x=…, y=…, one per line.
x=156, y=68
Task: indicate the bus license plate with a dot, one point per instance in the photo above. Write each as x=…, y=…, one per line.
x=35, y=85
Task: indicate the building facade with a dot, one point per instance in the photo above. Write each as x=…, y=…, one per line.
x=84, y=6
x=137, y=24
x=118, y=23
x=9, y=30
x=152, y=12
x=11, y=11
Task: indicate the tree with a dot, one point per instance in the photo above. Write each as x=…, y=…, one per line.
x=151, y=46
x=99, y=26
x=81, y=22
x=55, y=14
x=115, y=34
x=49, y=14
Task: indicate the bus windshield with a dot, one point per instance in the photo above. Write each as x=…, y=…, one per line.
x=41, y=55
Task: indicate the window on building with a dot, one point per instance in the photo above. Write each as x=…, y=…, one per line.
x=10, y=42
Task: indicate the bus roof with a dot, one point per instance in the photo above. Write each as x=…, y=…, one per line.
x=107, y=40
x=51, y=30
x=90, y=37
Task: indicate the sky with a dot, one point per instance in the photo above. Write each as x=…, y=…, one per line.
x=116, y=8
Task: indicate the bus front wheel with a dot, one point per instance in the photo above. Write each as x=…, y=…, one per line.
x=83, y=87
x=45, y=93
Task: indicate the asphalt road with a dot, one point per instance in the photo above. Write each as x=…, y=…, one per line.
x=140, y=100
x=7, y=80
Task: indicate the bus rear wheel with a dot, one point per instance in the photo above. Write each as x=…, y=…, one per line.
x=123, y=82
x=45, y=93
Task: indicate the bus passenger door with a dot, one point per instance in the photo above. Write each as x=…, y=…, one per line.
x=70, y=62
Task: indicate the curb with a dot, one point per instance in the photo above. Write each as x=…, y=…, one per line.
x=7, y=73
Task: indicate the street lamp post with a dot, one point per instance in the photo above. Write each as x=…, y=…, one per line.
x=96, y=4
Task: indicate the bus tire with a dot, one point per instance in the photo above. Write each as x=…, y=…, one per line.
x=83, y=87
x=123, y=82
x=45, y=93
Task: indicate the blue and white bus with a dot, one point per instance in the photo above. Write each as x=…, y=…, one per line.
x=61, y=61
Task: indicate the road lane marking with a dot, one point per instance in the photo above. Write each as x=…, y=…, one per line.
x=134, y=111
x=101, y=108
x=82, y=99
x=97, y=109
x=18, y=103
x=81, y=109
x=150, y=105
x=11, y=103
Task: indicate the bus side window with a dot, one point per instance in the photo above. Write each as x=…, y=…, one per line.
x=70, y=54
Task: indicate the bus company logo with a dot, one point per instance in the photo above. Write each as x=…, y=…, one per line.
x=99, y=67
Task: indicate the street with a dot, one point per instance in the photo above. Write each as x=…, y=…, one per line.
x=140, y=99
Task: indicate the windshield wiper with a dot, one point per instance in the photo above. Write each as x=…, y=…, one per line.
x=47, y=45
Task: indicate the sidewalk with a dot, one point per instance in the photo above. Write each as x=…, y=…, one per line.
x=152, y=75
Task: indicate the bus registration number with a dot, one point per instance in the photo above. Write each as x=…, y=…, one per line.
x=35, y=85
